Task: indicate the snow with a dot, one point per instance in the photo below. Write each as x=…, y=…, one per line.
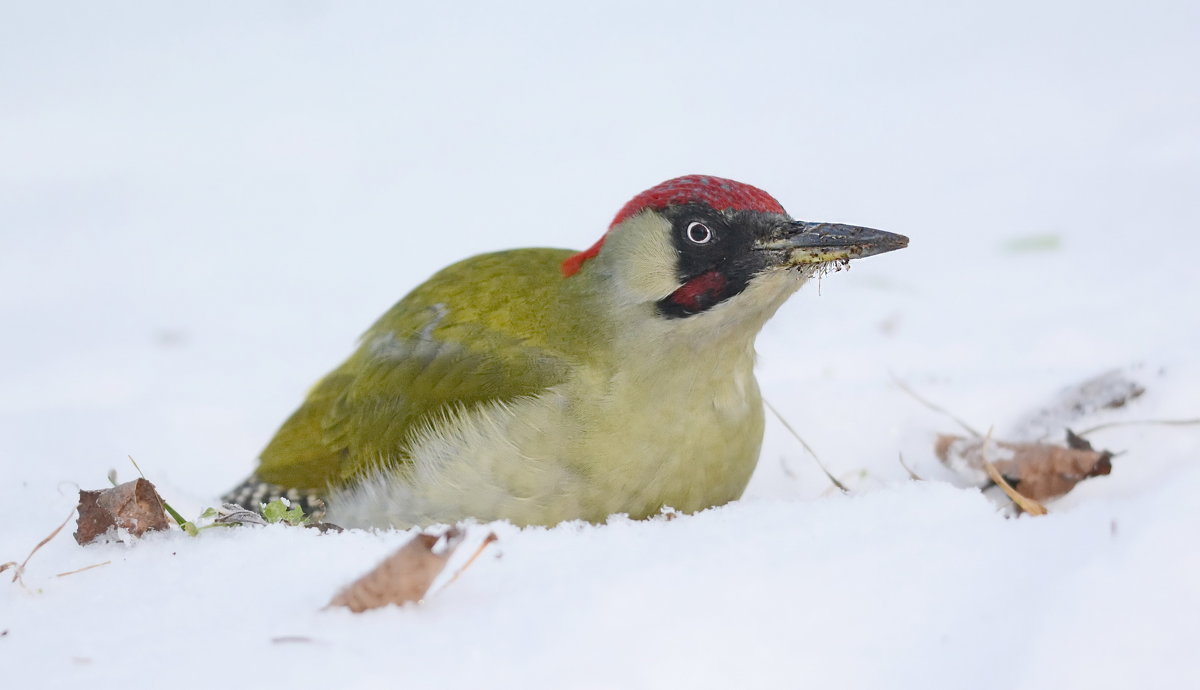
x=201, y=207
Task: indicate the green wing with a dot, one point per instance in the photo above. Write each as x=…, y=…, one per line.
x=460, y=339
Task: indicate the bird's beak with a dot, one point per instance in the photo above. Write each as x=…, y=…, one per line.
x=801, y=242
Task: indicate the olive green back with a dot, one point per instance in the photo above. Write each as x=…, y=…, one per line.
x=490, y=328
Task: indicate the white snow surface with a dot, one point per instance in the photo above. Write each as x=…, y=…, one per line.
x=202, y=205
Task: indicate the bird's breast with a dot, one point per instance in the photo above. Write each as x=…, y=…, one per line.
x=683, y=437
x=634, y=440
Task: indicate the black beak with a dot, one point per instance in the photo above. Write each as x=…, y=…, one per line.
x=800, y=242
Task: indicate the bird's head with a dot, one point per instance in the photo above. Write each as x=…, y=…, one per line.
x=708, y=249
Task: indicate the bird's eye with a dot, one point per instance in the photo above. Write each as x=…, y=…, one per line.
x=698, y=233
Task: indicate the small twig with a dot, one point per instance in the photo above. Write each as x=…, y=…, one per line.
x=904, y=387
x=86, y=567
x=911, y=475
x=1141, y=422
x=20, y=569
x=491, y=537
x=808, y=448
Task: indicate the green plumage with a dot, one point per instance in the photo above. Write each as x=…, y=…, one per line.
x=513, y=386
x=466, y=336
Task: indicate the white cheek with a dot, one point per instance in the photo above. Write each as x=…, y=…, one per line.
x=642, y=258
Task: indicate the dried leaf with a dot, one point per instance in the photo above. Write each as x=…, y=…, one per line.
x=134, y=507
x=402, y=577
x=1040, y=471
x=233, y=514
x=324, y=527
x=1023, y=502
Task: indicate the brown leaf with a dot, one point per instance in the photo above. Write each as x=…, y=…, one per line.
x=402, y=577
x=1023, y=502
x=1040, y=471
x=133, y=506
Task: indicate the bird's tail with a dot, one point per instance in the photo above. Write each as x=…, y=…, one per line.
x=254, y=493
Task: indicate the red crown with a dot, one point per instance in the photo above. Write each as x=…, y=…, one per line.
x=717, y=192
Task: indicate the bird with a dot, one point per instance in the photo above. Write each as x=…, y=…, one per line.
x=541, y=385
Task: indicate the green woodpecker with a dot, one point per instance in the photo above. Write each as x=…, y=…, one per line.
x=543, y=385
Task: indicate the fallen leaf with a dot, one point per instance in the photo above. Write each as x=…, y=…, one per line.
x=1039, y=471
x=1022, y=501
x=233, y=514
x=402, y=577
x=324, y=527
x=134, y=507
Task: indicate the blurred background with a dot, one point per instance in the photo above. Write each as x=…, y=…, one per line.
x=203, y=205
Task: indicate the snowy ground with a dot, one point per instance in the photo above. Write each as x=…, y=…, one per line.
x=201, y=207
